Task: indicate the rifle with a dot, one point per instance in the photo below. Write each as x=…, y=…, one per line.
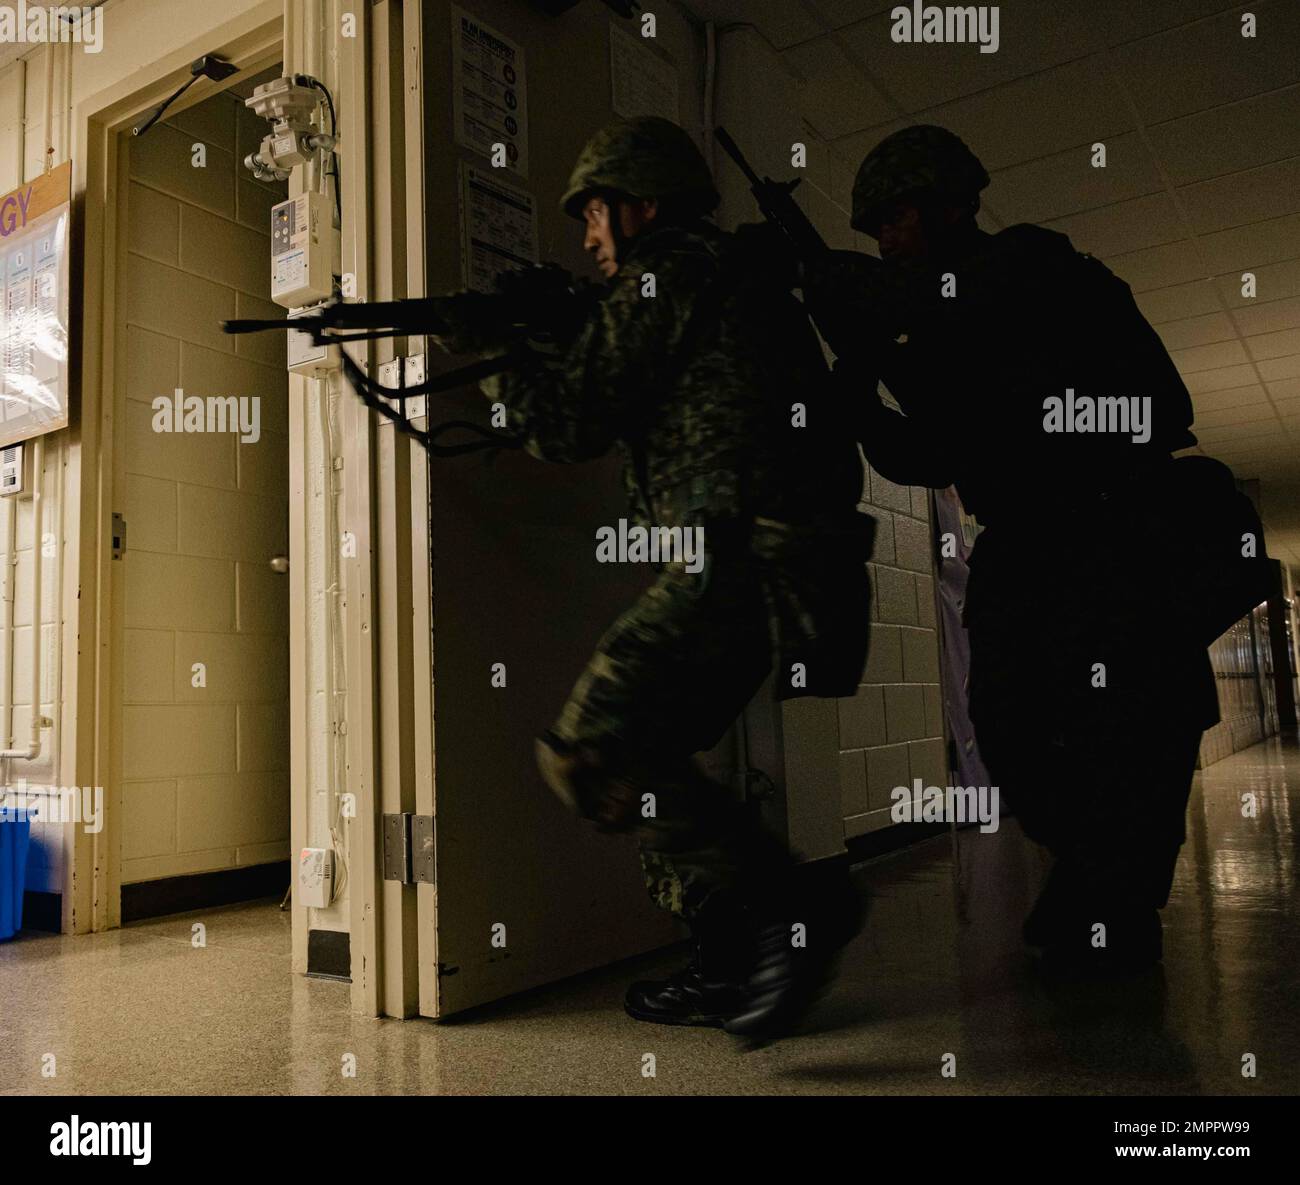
x=833, y=282
x=538, y=303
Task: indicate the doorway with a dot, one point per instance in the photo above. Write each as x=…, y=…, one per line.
x=201, y=604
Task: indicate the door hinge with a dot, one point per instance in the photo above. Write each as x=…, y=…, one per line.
x=409, y=849
x=404, y=372
x=119, y=535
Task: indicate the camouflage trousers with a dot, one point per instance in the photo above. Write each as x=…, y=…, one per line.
x=666, y=682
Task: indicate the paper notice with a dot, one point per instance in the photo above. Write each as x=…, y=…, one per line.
x=498, y=228
x=489, y=94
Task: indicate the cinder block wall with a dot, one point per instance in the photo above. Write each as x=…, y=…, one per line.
x=892, y=731
x=205, y=770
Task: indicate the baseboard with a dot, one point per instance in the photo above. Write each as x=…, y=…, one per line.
x=203, y=890
x=891, y=839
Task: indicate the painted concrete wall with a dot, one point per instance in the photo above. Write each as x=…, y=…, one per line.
x=205, y=755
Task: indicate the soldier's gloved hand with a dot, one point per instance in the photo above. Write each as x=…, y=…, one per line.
x=848, y=297
x=471, y=323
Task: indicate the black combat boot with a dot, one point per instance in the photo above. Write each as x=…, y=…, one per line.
x=1055, y=904
x=711, y=987
x=788, y=976
x=1134, y=944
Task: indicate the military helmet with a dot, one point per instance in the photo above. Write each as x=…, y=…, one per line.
x=647, y=157
x=922, y=158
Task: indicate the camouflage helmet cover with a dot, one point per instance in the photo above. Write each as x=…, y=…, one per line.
x=922, y=158
x=647, y=157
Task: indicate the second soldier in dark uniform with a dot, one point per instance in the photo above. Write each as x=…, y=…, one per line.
x=1087, y=693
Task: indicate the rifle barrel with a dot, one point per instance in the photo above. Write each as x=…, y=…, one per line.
x=730, y=147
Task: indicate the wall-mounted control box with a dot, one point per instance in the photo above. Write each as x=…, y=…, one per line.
x=302, y=250
x=306, y=357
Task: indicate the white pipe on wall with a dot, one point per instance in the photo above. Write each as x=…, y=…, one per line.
x=10, y=562
x=33, y=749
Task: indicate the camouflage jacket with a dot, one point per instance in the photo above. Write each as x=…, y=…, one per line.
x=696, y=385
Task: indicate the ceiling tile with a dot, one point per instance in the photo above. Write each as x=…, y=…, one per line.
x=1249, y=413
x=1268, y=316
x=1157, y=267
x=1229, y=139
x=1274, y=345
x=1248, y=247
x=1259, y=430
x=852, y=149
x=1254, y=195
x=1196, y=331
x=1066, y=182
x=1215, y=357
x=781, y=22
x=838, y=13
x=1072, y=104
x=1209, y=62
x=1146, y=221
x=1273, y=281
x=1032, y=36
x=1123, y=20
x=1284, y=390
x=1272, y=369
x=837, y=98
x=1180, y=301
x=1229, y=387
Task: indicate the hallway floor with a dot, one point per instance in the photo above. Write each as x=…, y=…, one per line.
x=939, y=970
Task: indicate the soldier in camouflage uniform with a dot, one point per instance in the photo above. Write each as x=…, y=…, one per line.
x=697, y=377
x=1070, y=576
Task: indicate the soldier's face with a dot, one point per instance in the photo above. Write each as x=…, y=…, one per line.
x=632, y=218
x=902, y=233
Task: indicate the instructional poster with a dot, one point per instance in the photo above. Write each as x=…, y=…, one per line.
x=34, y=222
x=489, y=92
x=498, y=228
x=642, y=80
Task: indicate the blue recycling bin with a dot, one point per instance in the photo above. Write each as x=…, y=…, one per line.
x=15, y=834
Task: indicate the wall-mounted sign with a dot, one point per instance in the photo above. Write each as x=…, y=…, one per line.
x=489, y=96
x=34, y=224
x=498, y=228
